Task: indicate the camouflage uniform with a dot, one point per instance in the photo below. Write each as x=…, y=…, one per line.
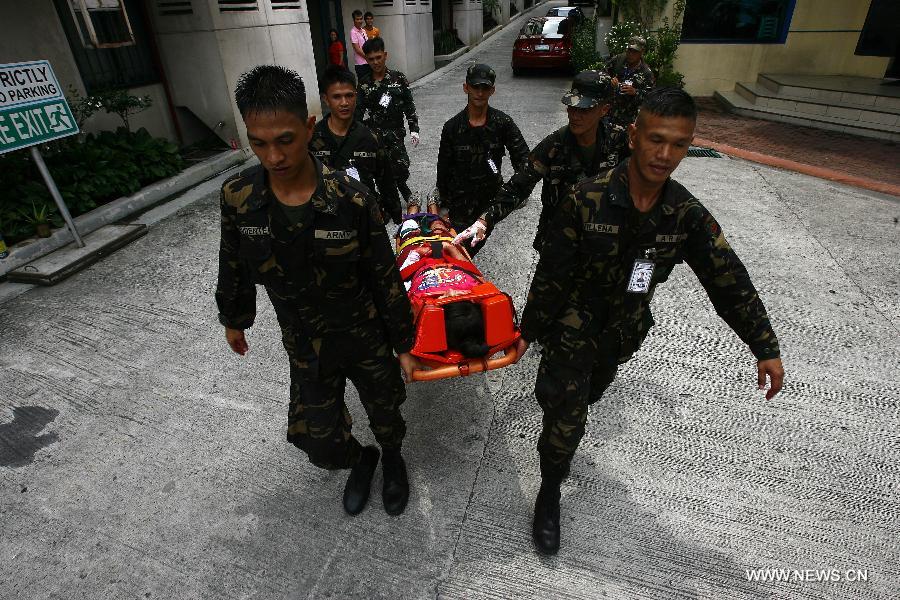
x=339, y=301
x=387, y=121
x=625, y=106
x=557, y=160
x=466, y=182
x=578, y=307
x=359, y=148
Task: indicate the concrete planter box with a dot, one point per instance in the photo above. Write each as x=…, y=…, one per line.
x=25, y=252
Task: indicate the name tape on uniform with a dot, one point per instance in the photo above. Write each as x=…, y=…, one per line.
x=325, y=234
x=601, y=228
x=671, y=238
x=254, y=230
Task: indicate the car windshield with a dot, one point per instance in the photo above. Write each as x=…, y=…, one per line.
x=548, y=28
x=559, y=12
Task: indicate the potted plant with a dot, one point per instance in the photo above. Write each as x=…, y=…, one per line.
x=40, y=219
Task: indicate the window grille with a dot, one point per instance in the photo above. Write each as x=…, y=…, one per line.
x=237, y=6
x=173, y=8
x=101, y=23
x=111, y=67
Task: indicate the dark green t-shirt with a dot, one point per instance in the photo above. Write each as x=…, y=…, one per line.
x=586, y=154
x=298, y=216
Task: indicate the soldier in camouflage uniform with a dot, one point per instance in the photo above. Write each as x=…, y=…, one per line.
x=342, y=142
x=471, y=153
x=611, y=242
x=574, y=152
x=633, y=78
x=313, y=237
x=384, y=100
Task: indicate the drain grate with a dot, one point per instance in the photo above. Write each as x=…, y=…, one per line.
x=703, y=152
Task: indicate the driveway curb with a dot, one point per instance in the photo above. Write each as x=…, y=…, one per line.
x=790, y=165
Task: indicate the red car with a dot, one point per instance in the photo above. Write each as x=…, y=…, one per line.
x=544, y=42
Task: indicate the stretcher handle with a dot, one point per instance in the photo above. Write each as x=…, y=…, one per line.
x=468, y=367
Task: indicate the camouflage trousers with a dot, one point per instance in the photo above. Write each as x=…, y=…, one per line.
x=565, y=394
x=318, y=420
x=396, y=151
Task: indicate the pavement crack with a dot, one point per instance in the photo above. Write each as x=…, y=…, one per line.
x=826, y=250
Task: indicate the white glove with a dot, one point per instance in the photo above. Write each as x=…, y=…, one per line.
x=414, y=138
x=477, y=231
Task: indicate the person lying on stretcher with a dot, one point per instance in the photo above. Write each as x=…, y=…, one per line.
x=433, y=268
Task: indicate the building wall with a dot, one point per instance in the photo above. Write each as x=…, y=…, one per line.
x=468, y=21
x=156, y=119
x=406, y=27
x=821, y=41
x=32, y=31
x=206, y=52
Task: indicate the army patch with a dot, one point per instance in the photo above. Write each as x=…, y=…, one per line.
x=325, y=234
x=671, y=238
x=601, y=228
x=254, y=230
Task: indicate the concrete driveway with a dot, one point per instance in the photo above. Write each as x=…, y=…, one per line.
x=140, y=458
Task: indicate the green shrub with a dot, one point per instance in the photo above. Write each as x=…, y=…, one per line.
x=584, y=45
x=88, y=172
x=446, y=42
x=662, y=45
x=619, y=34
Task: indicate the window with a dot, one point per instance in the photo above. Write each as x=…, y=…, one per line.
x=737, y=21
x=555, y=27
x=120, y=66
x=101, y=23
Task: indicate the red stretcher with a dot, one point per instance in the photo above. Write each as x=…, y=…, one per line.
x=500, y=330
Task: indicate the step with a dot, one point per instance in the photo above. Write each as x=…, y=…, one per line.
x=68, y=260
x=763, y=96
x=835, y=89
x=740, y=105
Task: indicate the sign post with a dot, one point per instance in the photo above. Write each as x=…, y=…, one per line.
x=33, y=110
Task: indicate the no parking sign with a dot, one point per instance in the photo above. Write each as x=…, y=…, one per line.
x=33, y=109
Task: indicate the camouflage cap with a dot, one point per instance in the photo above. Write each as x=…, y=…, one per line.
x=589, y=89
x=481, y=74
x=638, y=43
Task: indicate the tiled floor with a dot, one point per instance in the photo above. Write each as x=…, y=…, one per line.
x=853, y=155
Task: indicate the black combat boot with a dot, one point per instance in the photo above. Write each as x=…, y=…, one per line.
x=545, y=528
x=395, y=492
x=356, y=492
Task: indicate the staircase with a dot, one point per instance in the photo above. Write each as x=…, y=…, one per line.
x=856, y=105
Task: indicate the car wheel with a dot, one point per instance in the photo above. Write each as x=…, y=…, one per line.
x=517, y=72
